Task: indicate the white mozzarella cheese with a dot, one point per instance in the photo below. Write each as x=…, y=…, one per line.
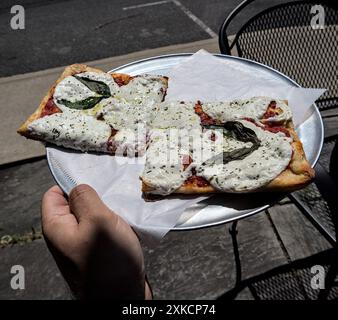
x=175, y=115
x=144, y=88
x=255, y=170
x=129, y=142
x=168, y=149
x=103, y=77
x=72, y=130
x=164, y=170
x=247, y=108
x=210, y=143
x=72, y=90
x=130, y=119
x=121, y=114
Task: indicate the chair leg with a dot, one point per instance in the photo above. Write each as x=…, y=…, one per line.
x=233, y=232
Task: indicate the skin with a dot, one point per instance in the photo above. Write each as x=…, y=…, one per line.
x=97, y=252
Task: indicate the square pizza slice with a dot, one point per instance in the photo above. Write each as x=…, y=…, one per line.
x=70, y=115
x=246, y=145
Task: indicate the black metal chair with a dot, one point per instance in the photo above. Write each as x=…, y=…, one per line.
x=289, y=38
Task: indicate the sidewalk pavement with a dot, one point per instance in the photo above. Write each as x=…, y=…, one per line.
x=21, y=94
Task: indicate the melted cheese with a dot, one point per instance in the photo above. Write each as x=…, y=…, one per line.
x=168, y=149
x=203, y=147
x=129, y=142
x=175, y=115
x=130, y=119
x=103, y=77
x=247, y=108
x=254, y=171
x=72, y=90
x=72, y=130
x=144, y=88
x=164, y=170
x=121, y=114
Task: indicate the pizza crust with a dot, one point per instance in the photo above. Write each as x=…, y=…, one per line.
x=299, y=172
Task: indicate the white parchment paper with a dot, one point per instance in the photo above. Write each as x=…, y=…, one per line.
x=208, y=78
x=202, y=77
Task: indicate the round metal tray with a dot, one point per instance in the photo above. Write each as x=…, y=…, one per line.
x=225, y=207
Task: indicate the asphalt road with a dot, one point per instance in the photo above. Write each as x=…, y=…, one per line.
x=61, y=32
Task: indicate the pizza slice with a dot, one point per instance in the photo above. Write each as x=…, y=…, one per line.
x=247, y=152
x=70, y=115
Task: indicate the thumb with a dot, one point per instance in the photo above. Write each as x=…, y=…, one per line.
x=85, y=203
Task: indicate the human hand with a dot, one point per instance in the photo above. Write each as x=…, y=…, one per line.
x=96, y=251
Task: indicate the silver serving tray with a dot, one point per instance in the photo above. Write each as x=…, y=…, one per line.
x=221, y=208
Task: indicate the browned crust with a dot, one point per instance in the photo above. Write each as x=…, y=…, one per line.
x=126, y=78
x=190, y=188
x=299, y=172
x=296, y=176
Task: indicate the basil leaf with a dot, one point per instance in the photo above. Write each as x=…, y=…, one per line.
x=85, y=104
x=217, y=127
x=239, y=132
x=228, y=156
x=97, y=86
x=212, y=126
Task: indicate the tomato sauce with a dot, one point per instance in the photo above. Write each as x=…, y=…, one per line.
x=197, y=180
x=50, y=108
x=205, y=119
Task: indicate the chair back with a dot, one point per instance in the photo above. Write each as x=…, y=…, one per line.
x=298, y=38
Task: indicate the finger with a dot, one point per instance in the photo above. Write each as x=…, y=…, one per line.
x=55, y=209
x=86, y=204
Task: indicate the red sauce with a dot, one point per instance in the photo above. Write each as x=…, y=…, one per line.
x=50, y=108
x=271, y=110
x=205, y=119
x=110, y=140
x=186, y=161
x=250, y=120
x=213, y=136
x=275, y=129
x=164, y=92
x=270, y=127
x=197, y=180
x=119, y=82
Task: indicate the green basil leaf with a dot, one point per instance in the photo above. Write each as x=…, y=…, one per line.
x=239, y=132
x=228, y=156
x=97, y=86
x=85, y=104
